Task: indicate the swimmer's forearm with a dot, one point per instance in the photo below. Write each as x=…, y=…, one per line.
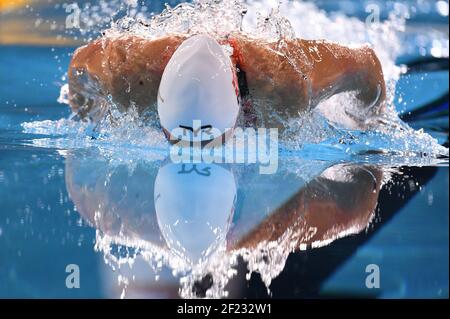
x=338, y=69
x=85, y=75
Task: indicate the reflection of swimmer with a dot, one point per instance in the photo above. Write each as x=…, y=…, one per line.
x=187, y=210
x=192, y=78
x=338, y=203
x=113, y=199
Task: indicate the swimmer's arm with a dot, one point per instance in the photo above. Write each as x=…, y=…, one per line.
x=271, y=78
x=338, y=69
x=127, y=70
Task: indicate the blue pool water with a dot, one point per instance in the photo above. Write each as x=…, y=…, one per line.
x=48, y=185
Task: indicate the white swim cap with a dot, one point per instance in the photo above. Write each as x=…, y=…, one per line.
x=194, y=206
x=197, y=85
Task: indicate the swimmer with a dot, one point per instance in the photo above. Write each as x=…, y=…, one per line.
x=198, y=77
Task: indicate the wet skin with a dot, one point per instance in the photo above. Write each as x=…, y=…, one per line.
x=289, y=76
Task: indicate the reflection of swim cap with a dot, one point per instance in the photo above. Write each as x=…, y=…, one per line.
x=194, y=205
x=197, y=84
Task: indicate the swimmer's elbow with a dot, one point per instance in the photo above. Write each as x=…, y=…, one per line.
x=372, y=87
x=84, y=73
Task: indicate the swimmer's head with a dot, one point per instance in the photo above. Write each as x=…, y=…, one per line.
x=198, y=89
